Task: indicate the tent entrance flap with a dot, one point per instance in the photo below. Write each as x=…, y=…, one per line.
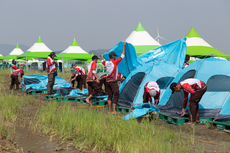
x=164, y=82
x=130, y=90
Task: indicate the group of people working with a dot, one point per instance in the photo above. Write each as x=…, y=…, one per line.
x=195, y=87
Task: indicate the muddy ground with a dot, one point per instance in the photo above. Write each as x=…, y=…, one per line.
x=28, y=141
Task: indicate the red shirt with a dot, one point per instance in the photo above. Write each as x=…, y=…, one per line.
x=17, y=72
x=50, y=65
x=79, y=70
x=92, y=68
x=14, y=67
x=185, y=65
x=112, y=70
x=152, y=85
x=119, y=76
x=190, y=86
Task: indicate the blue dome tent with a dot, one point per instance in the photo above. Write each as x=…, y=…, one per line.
x=161, y=65
x=214, y=72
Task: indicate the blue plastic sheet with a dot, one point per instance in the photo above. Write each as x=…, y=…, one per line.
x=78, y=92
x=39, y=82
x=141, y=110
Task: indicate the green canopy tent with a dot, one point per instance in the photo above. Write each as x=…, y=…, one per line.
x=198, y=47
x=2, y=57
x=14, y=53
x=38, y=50
x=74, y=51
x=141, y=40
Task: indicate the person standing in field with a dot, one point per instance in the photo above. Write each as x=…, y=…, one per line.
x=14, y=79
x=197, y=89
x=51, y=69
x=92, y=80
x=151, y=90
x=111, y=78
x=79, y=76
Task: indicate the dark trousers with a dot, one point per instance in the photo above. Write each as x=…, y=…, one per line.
x=84, y=80
x=51, y=80
x=102, y=81
x=112, y=90
x=81, y=80
x=93, y=88
x=194, y=105
x=145, y=98
x=14, y=81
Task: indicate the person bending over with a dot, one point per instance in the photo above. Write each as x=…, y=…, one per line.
x=79, y=76
x=14, y=79
x=112, y=87
x=151, y=90
x=92, y=80
x=197, y=89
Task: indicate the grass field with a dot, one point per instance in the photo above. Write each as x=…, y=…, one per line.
x=87, y=129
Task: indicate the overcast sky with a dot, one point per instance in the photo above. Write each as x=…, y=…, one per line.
x=101, y=24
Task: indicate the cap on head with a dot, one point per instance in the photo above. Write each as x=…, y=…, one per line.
x=94, y=57
x=173, y=86
x=152, y=93
x=187, y=57
x=13, y=61
x=112, y=54
x=53, y=53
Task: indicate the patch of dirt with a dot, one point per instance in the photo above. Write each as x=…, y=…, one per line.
x=39, y=143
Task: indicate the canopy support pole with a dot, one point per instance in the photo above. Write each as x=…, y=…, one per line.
x=26, y=64
x=62, y=65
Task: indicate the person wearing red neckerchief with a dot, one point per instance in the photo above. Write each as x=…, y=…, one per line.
x=111, y=78
x=79, y=76
x=51, y=69
x=14, y=79
x=151, y=90
x=92, y=80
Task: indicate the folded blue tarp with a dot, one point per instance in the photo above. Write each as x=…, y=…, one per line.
x=141, y=110
x=39, y=82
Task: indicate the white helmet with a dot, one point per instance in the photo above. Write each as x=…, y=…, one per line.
x=152, y=93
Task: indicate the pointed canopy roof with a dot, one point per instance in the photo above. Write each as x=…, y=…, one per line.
x=2, y=57
x=74, y=51
x=14, y=53
x=141, y=40
x=38, y=50
x=198, y=47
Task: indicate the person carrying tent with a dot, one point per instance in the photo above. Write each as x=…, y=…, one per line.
x=186, y=61
x=14, y=79
x=112, y=88
x=92, y=80
x=197, y=89
x=51, y=70
x=151, y=90
x=80, y=76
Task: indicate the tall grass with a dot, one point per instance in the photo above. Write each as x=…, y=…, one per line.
x=100, y=131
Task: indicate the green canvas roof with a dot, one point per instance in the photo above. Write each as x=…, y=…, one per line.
x=74, y=51
x=198, y=47
x=2, y=57
x=38, y=50
x=14, y=53
x=141, y=40
x=139, y=27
